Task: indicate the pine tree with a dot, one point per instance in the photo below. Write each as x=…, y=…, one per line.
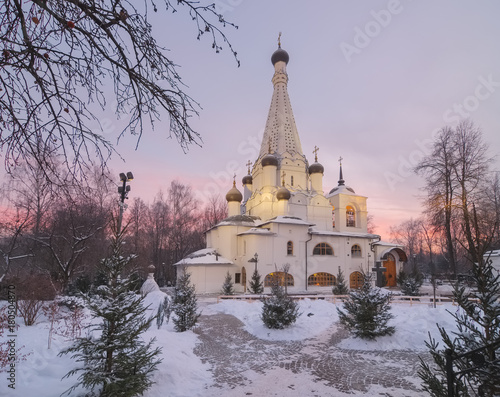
x=185, y=304
x=478, y=326
x=410, y=283
x=115, y=359
x=340, y=287
x=255, y=286
x=279, y=311
x=367, y=312
x=228, y=286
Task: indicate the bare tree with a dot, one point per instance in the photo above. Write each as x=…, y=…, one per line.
x=470, y=167
x=11, y=230
x=454, y=173
x=215, y=211
x=408, y=234
x=56, y=59
x=437, y=168
x=185, y=233
x=370, y=224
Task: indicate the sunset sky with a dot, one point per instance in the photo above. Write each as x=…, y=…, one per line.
x=368, y=81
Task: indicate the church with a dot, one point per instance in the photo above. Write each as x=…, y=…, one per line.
x=284, y=224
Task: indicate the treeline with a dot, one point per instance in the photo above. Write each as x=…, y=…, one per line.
x=461, y=218
x=53, y=237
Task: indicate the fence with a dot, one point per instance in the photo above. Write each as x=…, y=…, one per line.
x=411, y=300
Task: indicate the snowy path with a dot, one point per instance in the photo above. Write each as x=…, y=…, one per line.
x=243, y=364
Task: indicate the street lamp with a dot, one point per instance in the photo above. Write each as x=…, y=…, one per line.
x=123, y=191
x=255, y=259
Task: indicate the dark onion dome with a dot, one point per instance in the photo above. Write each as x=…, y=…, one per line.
x=269, y=159
x=283, y=193
x=234, y=195
x=280, y=55
x=247, y=180
x=316, y=168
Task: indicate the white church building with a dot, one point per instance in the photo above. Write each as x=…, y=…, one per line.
x=283, y=218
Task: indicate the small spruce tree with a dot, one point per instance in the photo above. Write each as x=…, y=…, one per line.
x=279, y=311
x=115, y=360
x=228, y=286
x=367, y=311
x=410, y=283
x=256, y=286
x=340, y=287
x=478, y=327
x=185, y=304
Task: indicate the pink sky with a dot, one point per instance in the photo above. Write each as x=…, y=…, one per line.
x=368, y=81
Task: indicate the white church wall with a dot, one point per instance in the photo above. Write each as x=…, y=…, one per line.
x=209, y=278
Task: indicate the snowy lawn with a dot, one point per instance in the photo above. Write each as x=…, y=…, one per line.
x=182, y=374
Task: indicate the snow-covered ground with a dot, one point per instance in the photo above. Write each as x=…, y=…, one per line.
x=183, y=374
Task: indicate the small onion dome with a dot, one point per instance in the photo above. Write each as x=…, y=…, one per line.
x=247, y=180
x=283, y=193
x=269, y=159
x=234, y=194
x=280, y=55
x=316, y=168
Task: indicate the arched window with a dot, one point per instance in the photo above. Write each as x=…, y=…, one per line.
x=291, y=180
x=321, y=279
x=289, y=248
x=323, y=249
x=356, y=251
x=333, y=216
x=350, y=216
x=356, y=280
x=281, y=278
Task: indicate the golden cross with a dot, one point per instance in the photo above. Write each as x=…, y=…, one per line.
x=279, y=40
x=269, y=143
x=315, y=151
x=234, y=180
x=283, y=178
x=248, y=164
x=340, y=160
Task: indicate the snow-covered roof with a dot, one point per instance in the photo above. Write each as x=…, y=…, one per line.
x=387, y=244
x=289, y=220
x=313, y=230
x=342, y=189
x=239, y=220
x=256, y=230
x=205, y=256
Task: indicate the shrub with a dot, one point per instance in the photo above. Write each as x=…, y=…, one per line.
x=279, y=311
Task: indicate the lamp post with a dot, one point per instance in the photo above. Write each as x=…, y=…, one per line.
x=123, y=191
x=255, y=259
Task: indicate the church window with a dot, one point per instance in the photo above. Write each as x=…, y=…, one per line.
x=321, y=280
x=237, y=278
x=333, y=216
x=289, y=248
x=291, y=180
x=323, y=249
x=356, y=280
x=356, y=250
x=350, y=216
x=281, y=278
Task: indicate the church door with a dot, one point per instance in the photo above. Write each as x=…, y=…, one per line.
x=390, y=274
x=356, y=280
